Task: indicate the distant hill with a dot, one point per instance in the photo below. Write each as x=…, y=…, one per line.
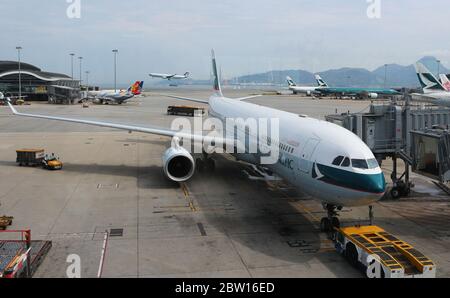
x=396, y=76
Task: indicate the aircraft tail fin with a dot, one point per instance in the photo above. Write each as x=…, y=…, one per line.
x=427, y=80
x=216, y=84
x=136, y=88
x=186, y=74
x=320, y=81
x=290, y=81
x=445, y=81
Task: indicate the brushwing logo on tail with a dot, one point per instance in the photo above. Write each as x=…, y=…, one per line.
x=427, y=80
x=320, y=81
x=290, y=81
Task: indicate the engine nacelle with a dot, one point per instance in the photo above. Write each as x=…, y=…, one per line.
x=373, y=95
x=178, y=164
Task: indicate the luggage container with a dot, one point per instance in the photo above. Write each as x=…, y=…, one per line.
x=30, y=157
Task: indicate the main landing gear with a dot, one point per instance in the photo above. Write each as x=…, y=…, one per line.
x=205, y=163
x=327, y=224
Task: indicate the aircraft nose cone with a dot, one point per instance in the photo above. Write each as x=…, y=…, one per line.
x=377, y=183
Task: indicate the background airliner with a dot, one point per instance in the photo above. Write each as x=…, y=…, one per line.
x=350, y=91
x=317, y=157
x=118, y=97
x=170, y=76
x=433, y=90
x=308, y=90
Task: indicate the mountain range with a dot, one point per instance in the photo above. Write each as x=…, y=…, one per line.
x=396, y=76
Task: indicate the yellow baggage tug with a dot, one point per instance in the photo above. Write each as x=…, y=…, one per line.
x=363, y=245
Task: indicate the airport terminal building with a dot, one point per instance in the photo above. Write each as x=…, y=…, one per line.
x=37, y=85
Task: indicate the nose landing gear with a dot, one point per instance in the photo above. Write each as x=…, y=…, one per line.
x=327, y=224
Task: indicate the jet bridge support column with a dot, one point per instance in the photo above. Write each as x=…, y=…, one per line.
x=400, y=188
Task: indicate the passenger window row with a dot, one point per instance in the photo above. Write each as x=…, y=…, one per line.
x=283, y=147
x=286, y=148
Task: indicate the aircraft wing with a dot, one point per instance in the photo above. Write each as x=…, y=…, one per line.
x=187, y=98
x=247, y=97
x=205, y=101
x=150, y=130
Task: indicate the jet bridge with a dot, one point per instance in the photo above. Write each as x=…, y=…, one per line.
x=392, y=129
x=431, y=149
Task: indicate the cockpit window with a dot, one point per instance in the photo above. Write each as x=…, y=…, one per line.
x=337, y=161
x=346, y=162
x=373, y=163
x=359, y=163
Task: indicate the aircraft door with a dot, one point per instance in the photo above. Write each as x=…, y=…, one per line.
x=305, y=162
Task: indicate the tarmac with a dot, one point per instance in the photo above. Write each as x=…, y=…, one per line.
x=215, y=225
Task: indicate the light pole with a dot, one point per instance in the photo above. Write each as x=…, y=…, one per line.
x=87, y=80
x=18, y=48
x=115, y=51
x=71, y=63
x=385, y=75
x=438, y=67
x=80, y=58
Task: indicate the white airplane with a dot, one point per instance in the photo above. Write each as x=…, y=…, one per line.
x=116, y=96
x=317, y=157
x=170, y=76
x=308, y=90
x=433, y=91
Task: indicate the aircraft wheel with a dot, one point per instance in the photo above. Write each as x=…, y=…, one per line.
x=325, y=225
x=335, y=222
x=210, y=164
x=351, y=254
x=200, y=164
x=395, y=193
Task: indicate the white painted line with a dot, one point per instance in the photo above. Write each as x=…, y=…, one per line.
x=102, y=258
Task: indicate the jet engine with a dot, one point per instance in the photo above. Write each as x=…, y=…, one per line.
x=372, y=95
x=178, y=164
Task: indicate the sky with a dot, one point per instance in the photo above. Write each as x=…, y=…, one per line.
x=249, y=36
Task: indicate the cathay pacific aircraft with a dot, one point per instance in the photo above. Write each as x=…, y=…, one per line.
x=308, y=90
x=317, y=157
x=363, y=92
x=170, y=76
x=433, y=90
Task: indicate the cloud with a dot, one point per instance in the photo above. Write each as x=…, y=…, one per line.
x=249, y=35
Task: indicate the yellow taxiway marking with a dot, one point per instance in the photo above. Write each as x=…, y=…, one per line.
x=187, y=197
x=313, y=219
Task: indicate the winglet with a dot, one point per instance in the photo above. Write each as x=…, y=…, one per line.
x=216, y=85
x=8, y=101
